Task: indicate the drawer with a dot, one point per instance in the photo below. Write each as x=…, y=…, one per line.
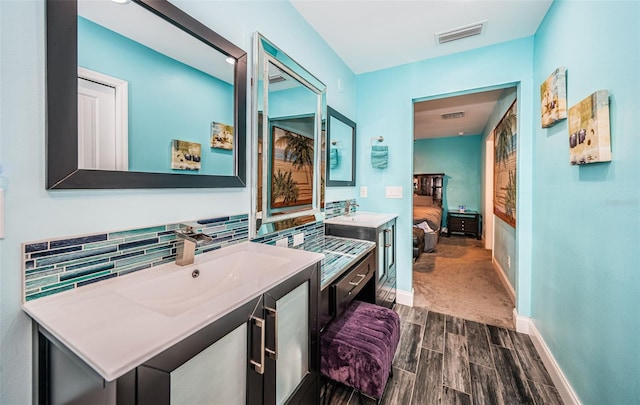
x=349, y=285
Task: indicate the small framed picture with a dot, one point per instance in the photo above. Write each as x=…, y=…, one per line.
x=589, y=134
x=553, y=97
x=185, y=155
x=221, y=136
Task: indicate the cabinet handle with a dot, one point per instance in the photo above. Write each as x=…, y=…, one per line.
x=362, y=276
x=259, y=367
x=273, y=353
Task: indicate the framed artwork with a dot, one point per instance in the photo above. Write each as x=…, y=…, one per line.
x=589, y=134
x=185, y=155
x=504, y=166
x=221, y=136
x=291, y=170
x=553, y=97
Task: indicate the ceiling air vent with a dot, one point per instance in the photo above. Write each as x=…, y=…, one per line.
x=452, y=115
x=462, y=32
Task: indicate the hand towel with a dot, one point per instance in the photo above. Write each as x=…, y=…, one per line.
x=379, y=156
x=333, y=158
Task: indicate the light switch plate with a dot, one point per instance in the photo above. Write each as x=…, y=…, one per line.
x=282, y=242
x=363, y=191
x=298, y=239
x=393, y=192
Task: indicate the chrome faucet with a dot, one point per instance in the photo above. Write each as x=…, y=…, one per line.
x=347, y=207
x=188, y=239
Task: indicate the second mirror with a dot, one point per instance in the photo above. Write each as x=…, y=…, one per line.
x=341, y=150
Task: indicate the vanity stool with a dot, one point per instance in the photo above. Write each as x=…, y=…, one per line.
x=357, y=348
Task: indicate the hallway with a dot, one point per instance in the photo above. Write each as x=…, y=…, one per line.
x=459, y=280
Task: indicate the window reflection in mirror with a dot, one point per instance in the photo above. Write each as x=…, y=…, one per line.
x=289, y=103
x=176, y=88
x=341, y=136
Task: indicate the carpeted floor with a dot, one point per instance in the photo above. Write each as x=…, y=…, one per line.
x=460, y=280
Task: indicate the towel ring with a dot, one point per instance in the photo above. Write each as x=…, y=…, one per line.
x=377, y=138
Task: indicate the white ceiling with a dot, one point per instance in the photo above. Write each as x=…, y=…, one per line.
x=370, y=35
x=477, y=107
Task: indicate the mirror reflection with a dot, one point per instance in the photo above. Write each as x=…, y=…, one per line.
x=176, y=112
x=341, y=150
x=289, y=104
x=141, y=95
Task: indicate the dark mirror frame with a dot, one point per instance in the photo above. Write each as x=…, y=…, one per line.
x=62, y=106
x=331, y=113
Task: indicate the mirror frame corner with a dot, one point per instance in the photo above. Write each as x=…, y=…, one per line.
x=62, y=106
x=331, y=113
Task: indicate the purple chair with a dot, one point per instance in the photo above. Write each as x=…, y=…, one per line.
x=358, y=347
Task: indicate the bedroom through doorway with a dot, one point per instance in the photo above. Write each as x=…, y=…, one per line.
x=455, y=271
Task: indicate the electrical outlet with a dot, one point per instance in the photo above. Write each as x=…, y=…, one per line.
x=509, y=261
x=298, y=239
x=282, y=242
x=363, y=191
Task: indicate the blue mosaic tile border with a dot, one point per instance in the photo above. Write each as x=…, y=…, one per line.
x=312, y=231
x=336, y=208
x=58, y=265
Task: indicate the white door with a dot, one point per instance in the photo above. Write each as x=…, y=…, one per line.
x=102, y=129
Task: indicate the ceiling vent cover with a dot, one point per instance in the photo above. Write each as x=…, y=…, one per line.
x=452, y=115
x=462, y=32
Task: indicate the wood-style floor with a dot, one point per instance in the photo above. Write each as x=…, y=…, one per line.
x=442, y=359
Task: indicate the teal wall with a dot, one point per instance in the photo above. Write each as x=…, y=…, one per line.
x=504, y=235
x=182, y=107
x=385, y=107
x=459, y=158
x=32, y=213
x=585, y=288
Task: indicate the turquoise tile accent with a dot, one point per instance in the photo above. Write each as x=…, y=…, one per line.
x=79, y=260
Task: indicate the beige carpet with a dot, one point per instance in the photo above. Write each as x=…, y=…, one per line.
x=460, y=280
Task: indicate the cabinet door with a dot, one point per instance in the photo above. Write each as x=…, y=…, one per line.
x=209, y=366
x=291, y=341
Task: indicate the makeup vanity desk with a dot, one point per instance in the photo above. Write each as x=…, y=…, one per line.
x=347, y=273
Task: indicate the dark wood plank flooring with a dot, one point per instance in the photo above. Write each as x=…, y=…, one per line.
x=442, y=359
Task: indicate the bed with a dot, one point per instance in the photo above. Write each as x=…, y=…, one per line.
x=424, y=210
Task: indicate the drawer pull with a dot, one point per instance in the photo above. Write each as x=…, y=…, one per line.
x=273, y=353
x=362, y=276
x=259, y=366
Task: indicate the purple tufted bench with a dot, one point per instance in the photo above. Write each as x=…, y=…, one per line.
x=358, y=347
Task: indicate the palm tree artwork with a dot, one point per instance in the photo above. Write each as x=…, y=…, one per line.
x=504, y=199
x=292, y=168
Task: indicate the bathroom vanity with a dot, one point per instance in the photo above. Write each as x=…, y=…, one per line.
x=378, y=228
x=239, y=325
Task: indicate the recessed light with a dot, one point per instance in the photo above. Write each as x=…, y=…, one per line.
x=121, y=1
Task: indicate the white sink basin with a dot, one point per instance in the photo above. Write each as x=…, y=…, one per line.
x=186, y=288
x=364, y=219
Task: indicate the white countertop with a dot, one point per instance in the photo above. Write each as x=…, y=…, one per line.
x=113, y=334
x=362, y=219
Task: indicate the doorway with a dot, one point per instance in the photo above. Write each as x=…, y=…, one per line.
x=453, y=134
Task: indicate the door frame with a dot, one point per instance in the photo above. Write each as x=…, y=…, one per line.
x=121, y=112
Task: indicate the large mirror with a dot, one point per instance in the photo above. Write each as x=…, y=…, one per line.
x=141, y=95
x=289, y=109
x=341, y=150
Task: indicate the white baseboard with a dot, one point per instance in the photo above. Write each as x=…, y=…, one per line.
x=505, y=280
x=404, y=297
x=568, y=395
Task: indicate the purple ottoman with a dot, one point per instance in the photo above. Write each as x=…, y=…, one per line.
x=357, y=348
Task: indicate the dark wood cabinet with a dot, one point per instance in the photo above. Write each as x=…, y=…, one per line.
x=467, y=223
x=385, y=253
x=264, y=352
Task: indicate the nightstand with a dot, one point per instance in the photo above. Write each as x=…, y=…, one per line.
x=467, y=223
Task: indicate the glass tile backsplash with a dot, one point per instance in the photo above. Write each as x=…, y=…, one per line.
x=62, y=264
x=58, y=265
